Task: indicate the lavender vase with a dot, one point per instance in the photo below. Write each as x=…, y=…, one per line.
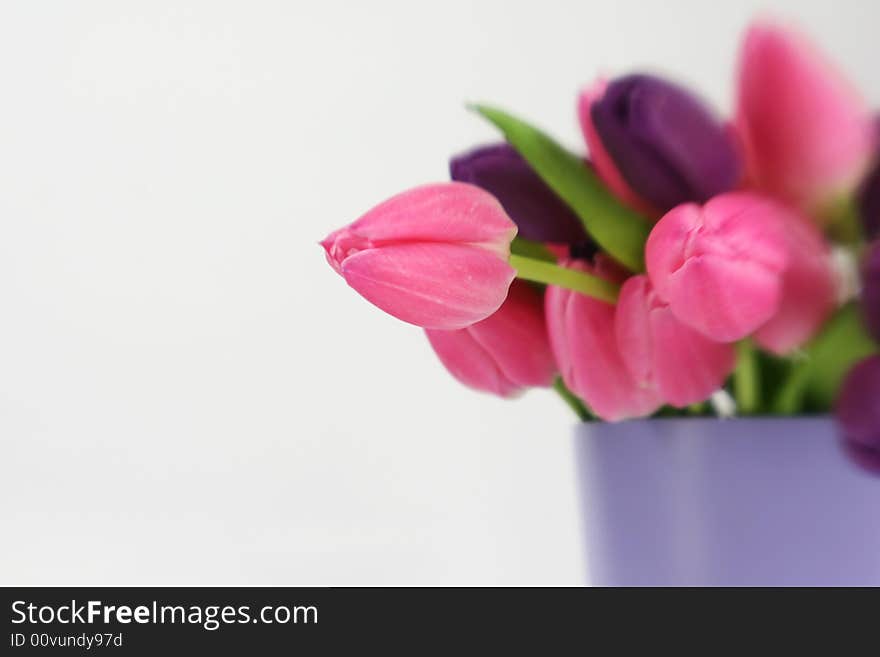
x=746, y=502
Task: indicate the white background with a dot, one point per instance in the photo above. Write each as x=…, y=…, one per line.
x=188, y=393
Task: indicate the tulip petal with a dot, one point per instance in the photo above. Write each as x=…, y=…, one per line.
x=468, y=361
x=868, y=201
x=809, y=289
x=504, y=353
x=432, y=285
x=688, y=366
x=807, y=134
x=720, y=266
x=445, y=212
x=435, y=256
x=871, y=291
x=724, y=302
x=857, y=409
x=582, y=334
x=516, y=336
x=663, y=353
x=599, y=157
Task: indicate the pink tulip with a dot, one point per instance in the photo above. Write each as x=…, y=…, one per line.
x=435, y=256
x=807, y=134
x=584, y=341
x=504, y=353
x=809, y=288
x=663, y=354
x=599, y=157
x=720, y=266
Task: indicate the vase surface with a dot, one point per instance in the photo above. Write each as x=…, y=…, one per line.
x=743, y=502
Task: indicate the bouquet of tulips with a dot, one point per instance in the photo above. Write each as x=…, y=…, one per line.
x=687, y=265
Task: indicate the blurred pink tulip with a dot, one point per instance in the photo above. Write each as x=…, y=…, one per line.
x=807, y=134
x=810, y=287
x=584, y=342
x=599, y=157
x=720, y=266
x=435, y=256
x=662, y=354
x=504, y=353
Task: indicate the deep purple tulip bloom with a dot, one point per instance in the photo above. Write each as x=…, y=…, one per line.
x=858, y=407
x=667, y=145
x=871, y=291
x=864, y=457
x=539, y=214
x=869, y=202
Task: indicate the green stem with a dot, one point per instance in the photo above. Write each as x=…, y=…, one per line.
x=697, y=409
x=571, y=399
x=748, y=385
x=530, y=249
x=791, y=393
x=844, y=222
x=539, y=271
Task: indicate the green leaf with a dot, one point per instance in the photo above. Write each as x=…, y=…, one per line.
x=620, y=231
x=841, y=345
x=817, y=376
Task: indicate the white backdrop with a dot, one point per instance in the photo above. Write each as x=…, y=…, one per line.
x=188, y=393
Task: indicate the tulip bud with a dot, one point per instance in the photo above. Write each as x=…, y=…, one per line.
x=858, y=409
x=807, y=134
x=435, y=256
x=666, y=143
x=602, y=162
x=810, y=286
x=662, y=354
x=584, y=342
x=871, y=291
x=720, y=266
x=540, y=215
x=504, y=353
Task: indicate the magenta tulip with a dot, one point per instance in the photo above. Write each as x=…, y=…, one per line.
x=720, y=266
x=584, y=341
x=807, y=134
x=664, y=355
x=810, y=287
x=599, y=157
x=505, y=353
x=435, y=256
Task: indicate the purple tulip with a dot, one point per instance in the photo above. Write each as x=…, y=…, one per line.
x=666, y=143
x=864, y=457
x=869, y=202
x=858, y=407
x=539, y=214
x=871, y=291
